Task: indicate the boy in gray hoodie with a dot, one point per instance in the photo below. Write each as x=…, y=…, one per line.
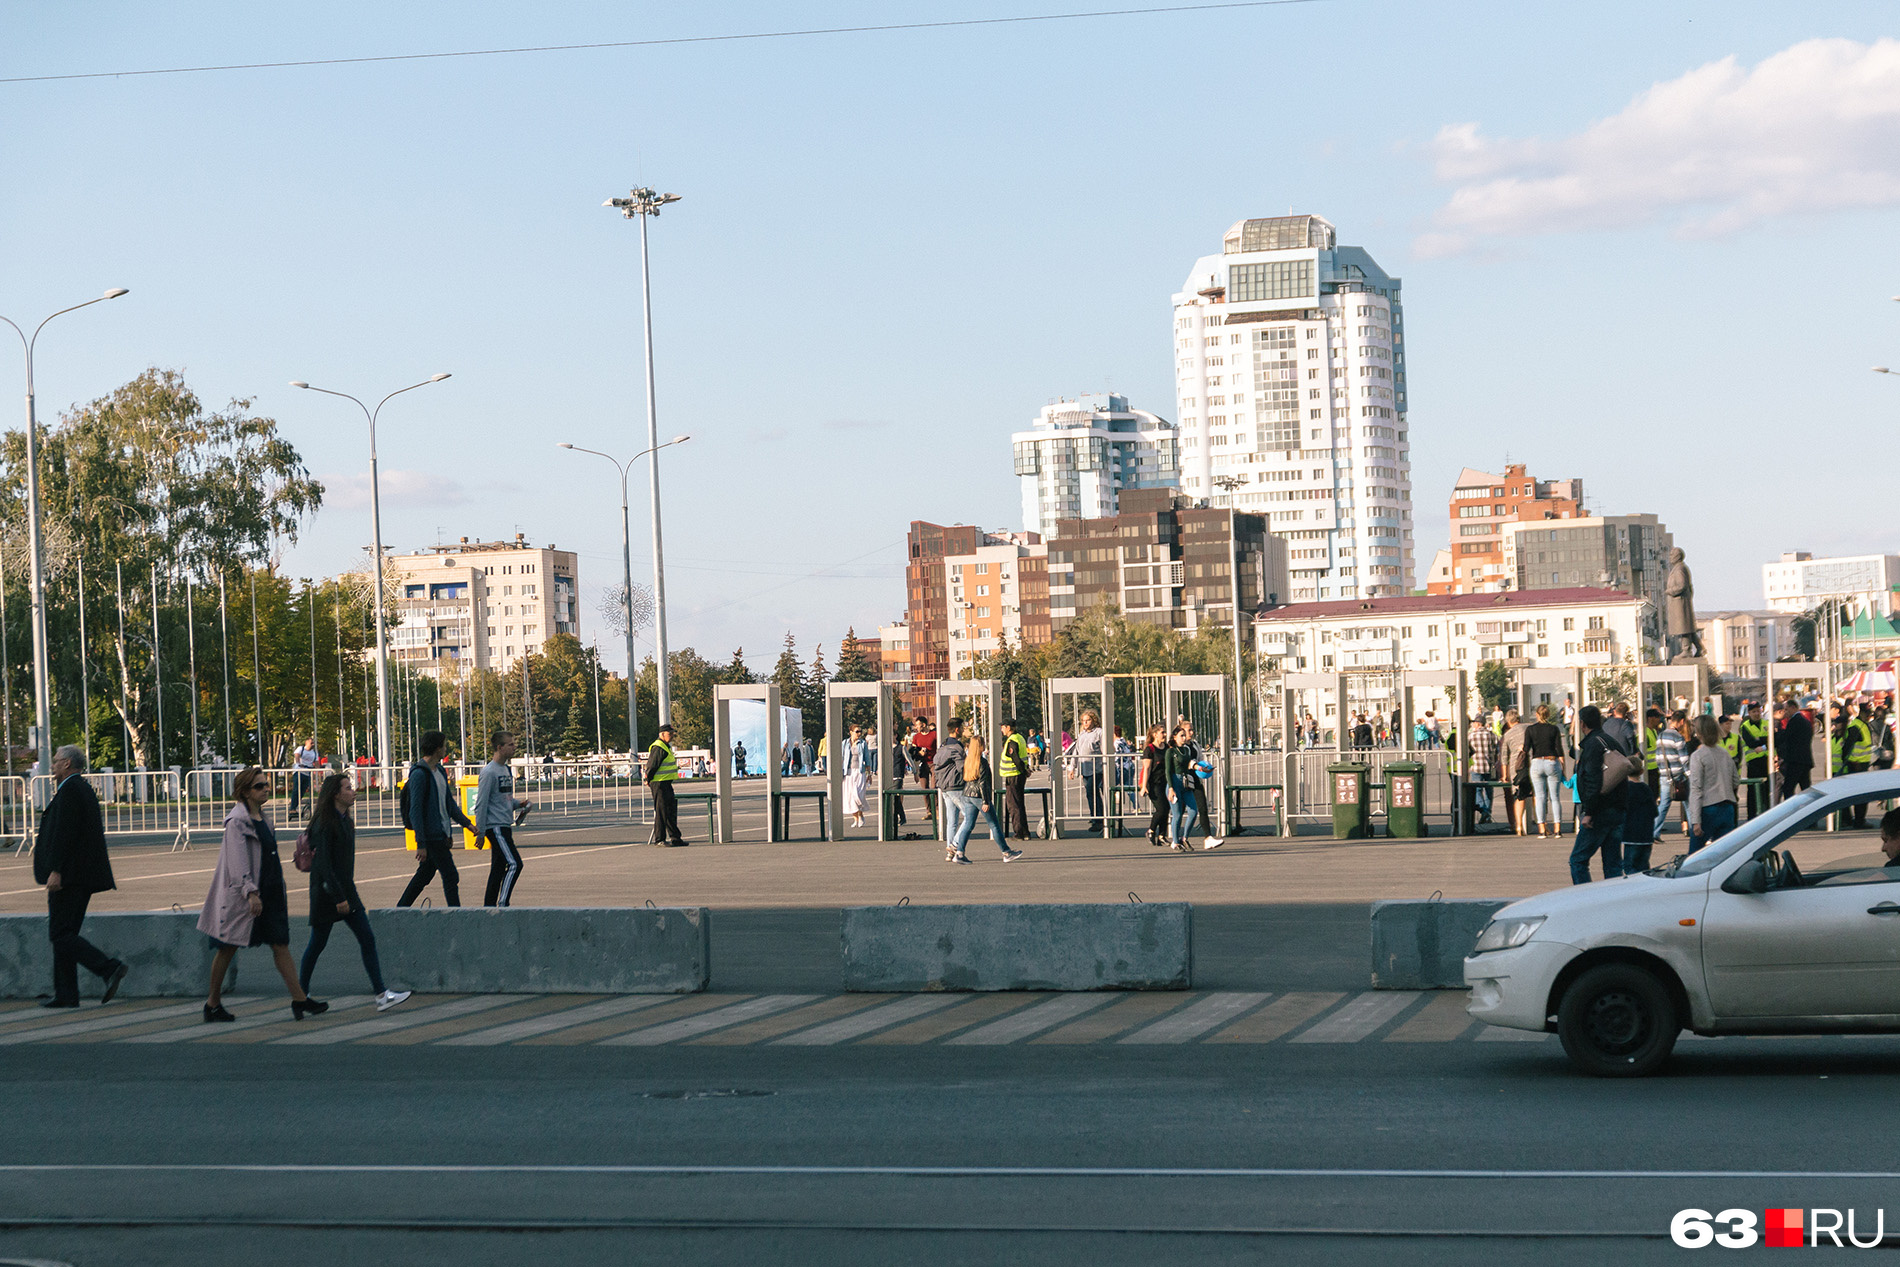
x=495, y=809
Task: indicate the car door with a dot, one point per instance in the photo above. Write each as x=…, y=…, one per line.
x=1827, y=950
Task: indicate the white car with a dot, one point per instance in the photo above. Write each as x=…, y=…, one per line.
x=1731, y=939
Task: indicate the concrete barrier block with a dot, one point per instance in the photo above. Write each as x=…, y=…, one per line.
x=1057, y=946
x=1422, y=945
x=520, y=950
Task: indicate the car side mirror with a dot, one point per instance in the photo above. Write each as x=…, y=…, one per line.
x=1750, y=877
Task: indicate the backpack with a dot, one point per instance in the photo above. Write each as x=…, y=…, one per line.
x=305, y=853
x=402, y=799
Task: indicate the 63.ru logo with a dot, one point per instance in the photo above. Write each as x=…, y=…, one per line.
x=1780, y=1228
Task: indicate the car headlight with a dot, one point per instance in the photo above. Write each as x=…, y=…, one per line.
x=1502, y=934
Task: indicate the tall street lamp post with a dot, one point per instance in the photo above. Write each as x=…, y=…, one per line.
x=626, y=564
x=645, y=203
x=42, y=690
x=376, y=564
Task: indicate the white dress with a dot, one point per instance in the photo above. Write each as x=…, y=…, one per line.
x=854, y=774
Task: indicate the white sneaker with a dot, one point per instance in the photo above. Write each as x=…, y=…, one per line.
x=390, y=998
x=1212, y=842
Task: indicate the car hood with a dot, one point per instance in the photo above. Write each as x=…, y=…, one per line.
x=1582, y=899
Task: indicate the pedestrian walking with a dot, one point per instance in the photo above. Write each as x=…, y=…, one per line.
x=857, y=768
x=959, y=807
x=922, y=754
x=900, y=766
x=1154, y=783
x=308, y=758
x=69, y=858
x=429, y=809
x=1672, y=768
x=662, y=772
x=1016, y=763
x=977, y=775
x=496, y=807
x=1085, y=756
x=1545, y=744
x=1603, y=772
x=333, y=895
x=248, y=903
x=1182, y=805
x=1200, y=768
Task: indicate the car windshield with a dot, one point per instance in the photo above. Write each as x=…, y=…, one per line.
x=1749, y=834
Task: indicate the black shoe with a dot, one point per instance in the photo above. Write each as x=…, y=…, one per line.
x=113, y=981
x=59, y=1003
x=216, y=1012
x=677, y=844
x=313, y=1007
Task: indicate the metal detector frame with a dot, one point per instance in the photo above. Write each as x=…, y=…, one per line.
x=1053, y=690
x=1458, y=680
x=722, y=753
x=836, y=693
x=989, y=692
x=1220, y=686
x=1821, y=671
x=1570, y=679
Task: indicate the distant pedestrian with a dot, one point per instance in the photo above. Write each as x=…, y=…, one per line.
x=900, y=766
x=1200, y=768
x=308, y=758
x=1599, y=807
x=857, y=769
x=431, y=814
x=496, y=806
x=738, y=760
x=69, y=858
x=1545, y=744
x=1710, y=808
x=1085, y=756
x=662, y=772
x=1182, y=805
x=1484, y=768
x=923, y=755
x=333, y=895
x=1794, y=748
x=946, y=772
x=1514, y=770
x=1154, y=783
x=248, y=904
x=1016, y=764
x=977, y=775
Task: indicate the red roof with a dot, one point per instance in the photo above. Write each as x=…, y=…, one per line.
x=1416, y=604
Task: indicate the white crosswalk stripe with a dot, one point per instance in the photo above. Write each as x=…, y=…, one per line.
x=1197, y=1018
x=95, y=1024
x=529, y=1028
x=273, y=1015
x=1358, y=1017
x=399, y=1020
x=1502, y=1034
x=706, y=1022
x=1033, y=1020
x=885, y=1014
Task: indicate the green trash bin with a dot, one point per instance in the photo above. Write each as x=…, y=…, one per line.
x=1348, y=784
x=1404, y=798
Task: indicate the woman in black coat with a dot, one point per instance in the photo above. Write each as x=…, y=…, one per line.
x=333, y=894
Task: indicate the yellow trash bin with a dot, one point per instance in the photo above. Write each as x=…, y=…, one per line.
x=464, y=792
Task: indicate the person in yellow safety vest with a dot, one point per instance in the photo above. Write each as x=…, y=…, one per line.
x=1730, y=741
x=1857, y=742
x=1015, y=764
x=662, y=772
x=1754, y=735
x=1652, y=727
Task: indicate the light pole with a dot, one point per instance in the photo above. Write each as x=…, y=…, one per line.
x=626, y=606
x=645, y=203
x=42, y=690
x=376, y=563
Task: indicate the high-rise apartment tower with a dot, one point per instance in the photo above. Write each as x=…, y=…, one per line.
x=1289, y=355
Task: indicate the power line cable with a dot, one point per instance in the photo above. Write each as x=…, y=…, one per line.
x=682, y=39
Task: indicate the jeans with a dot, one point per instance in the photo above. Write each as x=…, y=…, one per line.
x=1718, y=820
x=1547, y=783
x=996, y=825
x=1664, y=793
x=1481, y=798
x=365, y=941
x=960, y=810
x=1089, y=771
x=1182, y=814
x=1605, y=832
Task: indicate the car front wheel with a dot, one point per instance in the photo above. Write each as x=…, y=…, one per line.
x=1618, y=1021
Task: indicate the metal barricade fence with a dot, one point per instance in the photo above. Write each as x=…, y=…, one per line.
x=1310, y=796
x=16, y=814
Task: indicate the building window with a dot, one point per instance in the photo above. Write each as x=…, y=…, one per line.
x=1287, y=279
x=1543, y=649
x=1596, y=622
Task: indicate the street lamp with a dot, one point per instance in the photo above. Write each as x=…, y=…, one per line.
x=644, y=203
x=42, y=696
x=376, y=567
x=626, y=564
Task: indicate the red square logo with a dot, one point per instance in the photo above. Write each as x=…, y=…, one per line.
x=1782, y=1229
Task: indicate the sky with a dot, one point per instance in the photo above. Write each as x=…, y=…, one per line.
x=1651, y=246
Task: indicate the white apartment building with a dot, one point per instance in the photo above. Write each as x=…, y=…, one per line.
x=1079, y=454
x=482, y=604
x=1533, y=629
x=1289, y=355
x=1799, y=582
x=1744, y=643
x=990, y=588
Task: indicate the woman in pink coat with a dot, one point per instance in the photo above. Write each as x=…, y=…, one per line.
x=249, y=904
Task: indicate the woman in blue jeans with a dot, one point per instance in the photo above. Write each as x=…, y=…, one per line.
x=1711, y=808
x=1544, y=745
x=1182, y=803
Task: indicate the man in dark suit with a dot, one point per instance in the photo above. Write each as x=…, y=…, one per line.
x=1794, y=748
x=69, y=858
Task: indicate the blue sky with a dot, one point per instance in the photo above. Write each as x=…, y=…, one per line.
x=895, y=247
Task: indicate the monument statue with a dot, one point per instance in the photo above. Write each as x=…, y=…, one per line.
x=1679, y=593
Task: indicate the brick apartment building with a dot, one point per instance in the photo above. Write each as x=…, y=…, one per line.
x=1481, y=504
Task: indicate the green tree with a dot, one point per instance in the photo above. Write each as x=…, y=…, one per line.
x=737, y=673
x=855, y=666
x=790, y=676
x=811, y=699
x=1493, y=683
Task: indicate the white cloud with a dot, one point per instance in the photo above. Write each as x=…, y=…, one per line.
x=1814, y=128
x=399, y=489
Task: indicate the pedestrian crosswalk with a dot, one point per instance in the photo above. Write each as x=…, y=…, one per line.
x=1134, y=1021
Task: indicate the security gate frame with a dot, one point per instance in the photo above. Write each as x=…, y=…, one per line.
x=1053, y=691
x=722, y=753
x=1456, y=679
x=836, y=693
x=1818, y=671
x=989, y=696
x=1220, y=686
x=1570, y=679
